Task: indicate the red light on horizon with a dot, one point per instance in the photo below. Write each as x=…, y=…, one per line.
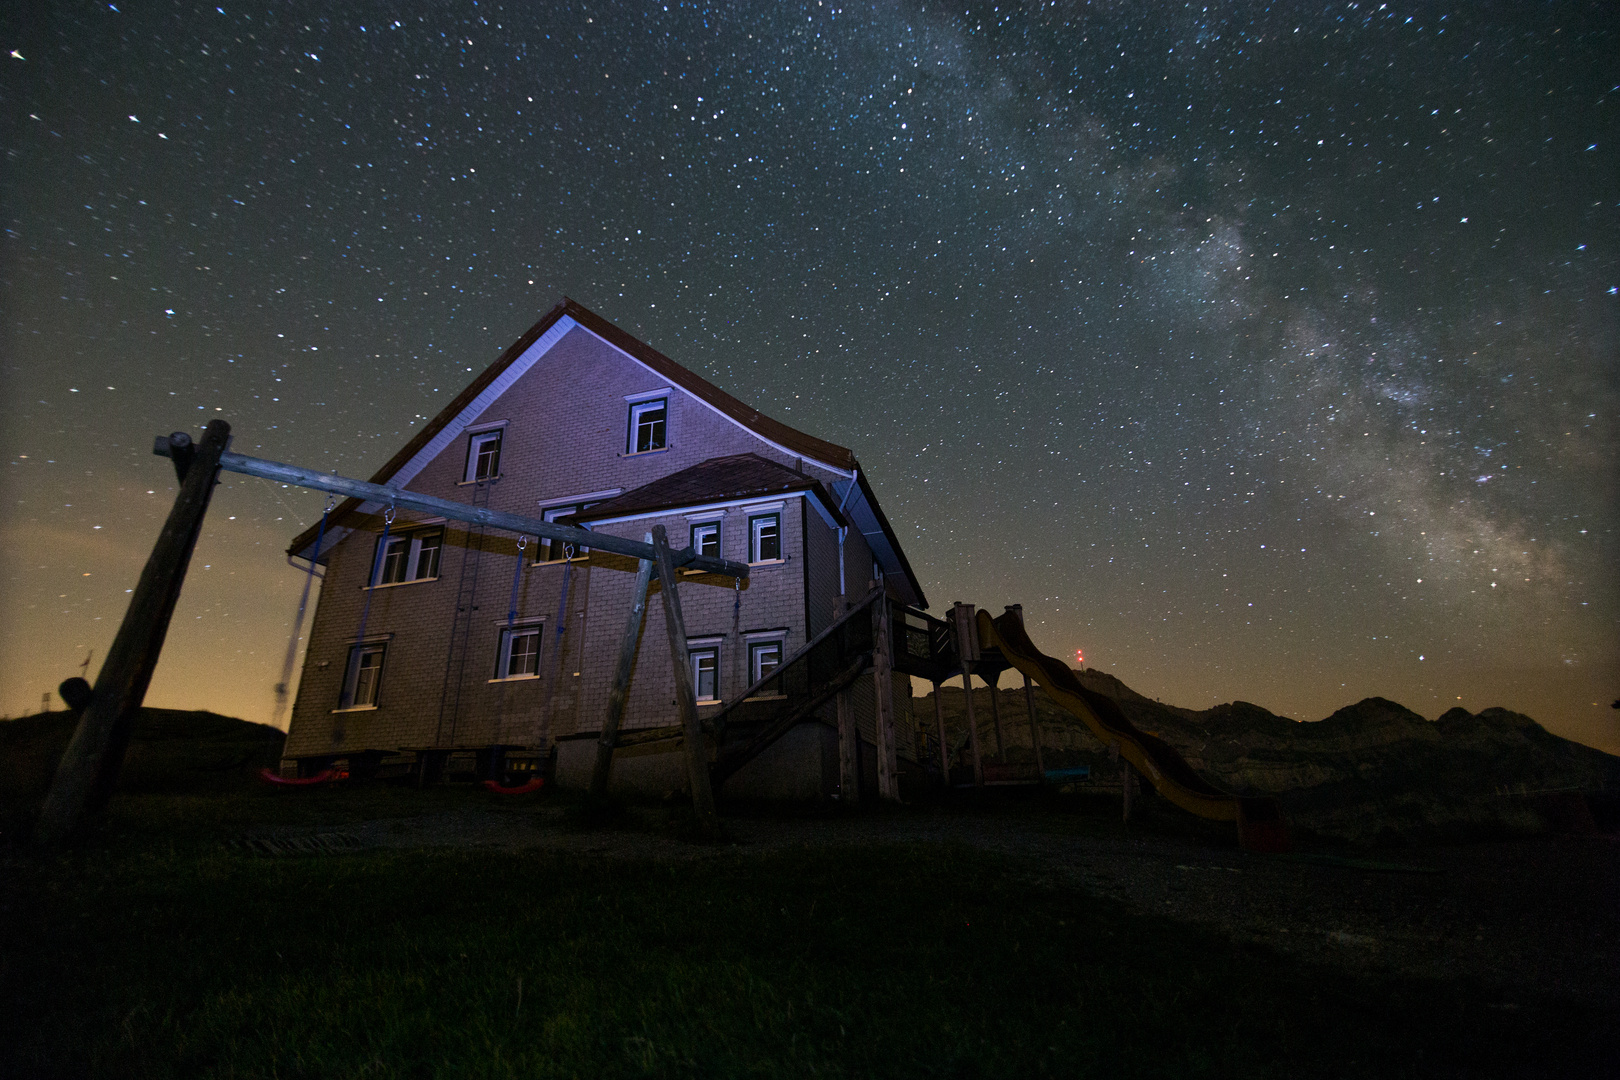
x=1080, y=658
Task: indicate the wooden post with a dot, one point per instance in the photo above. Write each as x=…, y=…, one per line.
x=1017, y=612
x=973, y=729
x=888, y=763
x=1128, y=778
x=1034, y=726
x=966, y=634
x=619, y=692
x=88, y=770
x=849, y=750
x=939, y=727
x=995, y=715
x=697, y=754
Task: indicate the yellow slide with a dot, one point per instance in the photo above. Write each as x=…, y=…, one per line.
x=1260, y=822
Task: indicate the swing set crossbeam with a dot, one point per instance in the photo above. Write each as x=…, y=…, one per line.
x=497, y=519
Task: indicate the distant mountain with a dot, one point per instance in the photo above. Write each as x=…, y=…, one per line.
x=1372, y=771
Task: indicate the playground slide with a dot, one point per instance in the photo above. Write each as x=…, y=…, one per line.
x=1260, y=823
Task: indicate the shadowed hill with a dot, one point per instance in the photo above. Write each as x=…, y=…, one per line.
x=1374, y=770
x=169, y=751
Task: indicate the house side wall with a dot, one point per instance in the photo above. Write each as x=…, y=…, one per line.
x=564, y=433
x=773, y=599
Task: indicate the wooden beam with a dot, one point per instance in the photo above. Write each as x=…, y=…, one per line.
x=697, y=753
x=619, y=691
x=888, y=763
x=728, y=765
x=644, y=735
x=939, y=725
x=411, y=500
x=88, y=769
x=849, y=749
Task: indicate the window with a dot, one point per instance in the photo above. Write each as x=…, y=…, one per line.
x=363, y=679
x=411, y=556
x=483, y=456
x=764, y=657
x=765, y=538
x=649, y=426
x=518, y=655
x=705, y=671
x=555, y=550
x=706, y=539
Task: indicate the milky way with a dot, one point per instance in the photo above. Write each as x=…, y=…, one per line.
x=1263, y=353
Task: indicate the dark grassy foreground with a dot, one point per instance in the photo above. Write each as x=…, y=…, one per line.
x=156, y=950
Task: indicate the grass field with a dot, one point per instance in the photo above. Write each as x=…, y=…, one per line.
x=158, y=949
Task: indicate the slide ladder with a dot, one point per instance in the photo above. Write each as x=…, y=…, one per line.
x=1260, y=823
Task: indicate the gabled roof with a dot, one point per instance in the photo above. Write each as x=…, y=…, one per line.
x=494, y=380
x=737, y=478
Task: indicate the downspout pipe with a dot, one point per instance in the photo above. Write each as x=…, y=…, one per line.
x=843, y=530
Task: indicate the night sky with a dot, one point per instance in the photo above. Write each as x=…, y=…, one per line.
x=1265, y=352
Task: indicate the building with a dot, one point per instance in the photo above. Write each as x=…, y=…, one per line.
x=472, y=646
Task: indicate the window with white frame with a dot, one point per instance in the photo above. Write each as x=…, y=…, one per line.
x=765, y=538
x=706, y=538
x=483, y=455
x=411, y=556
x=649, y=426
x=517, y=655
x=764, y=657
x=705, y=656
x=551, y=551
x=362, y=681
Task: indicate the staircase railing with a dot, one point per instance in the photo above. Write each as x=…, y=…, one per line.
x=801, y=684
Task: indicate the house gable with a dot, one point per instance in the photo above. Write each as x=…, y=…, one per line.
x=620, y=368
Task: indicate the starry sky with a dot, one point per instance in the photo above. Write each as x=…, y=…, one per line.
x=1262, y=351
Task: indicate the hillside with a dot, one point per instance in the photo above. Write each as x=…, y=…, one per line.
x=1373, y=771
x=169, y=751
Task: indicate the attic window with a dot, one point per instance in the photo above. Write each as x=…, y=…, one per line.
x=483, y=456
x=649, y=426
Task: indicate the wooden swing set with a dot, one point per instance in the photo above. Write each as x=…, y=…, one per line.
x=88, y=769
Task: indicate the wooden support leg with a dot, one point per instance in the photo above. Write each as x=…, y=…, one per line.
x=973, y=730
x=697, y=753
x=1034, y=726
x=939, y=727
x=1128, y=778
x=995, y=716
x=89, y=767
x=883, y=684
x=619, y=692
x=849, y=750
